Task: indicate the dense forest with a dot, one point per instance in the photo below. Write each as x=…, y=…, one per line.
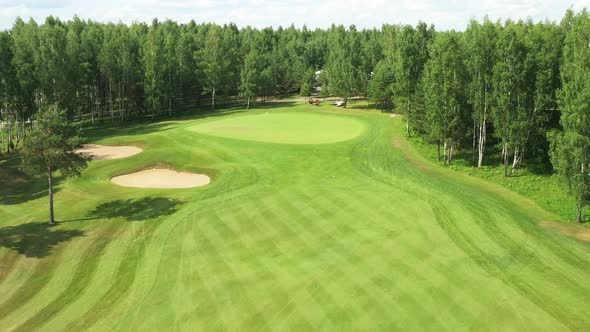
x=522, y=87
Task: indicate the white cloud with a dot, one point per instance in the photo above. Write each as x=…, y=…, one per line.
x=447, y=14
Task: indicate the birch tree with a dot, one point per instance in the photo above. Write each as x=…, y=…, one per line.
x=510, y=91
x=570, y=148
x=480, y=45
x=445, y=92
x=410, y=57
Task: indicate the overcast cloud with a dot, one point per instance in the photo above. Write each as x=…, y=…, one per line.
x=444, y=14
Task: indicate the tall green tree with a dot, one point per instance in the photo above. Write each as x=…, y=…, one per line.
x=154, y=73
x=410, y=57
x=50, y=147
x=9, y=89
x=25, y=46
x=570, y=148
x=380, y=88
x=216, y=60
x=511, y=88
x=445, y=92
x=480, y=45
x=250, y=77
x=341, y=74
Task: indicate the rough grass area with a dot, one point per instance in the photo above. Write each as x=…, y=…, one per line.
x=362, y=234
x=532, y=180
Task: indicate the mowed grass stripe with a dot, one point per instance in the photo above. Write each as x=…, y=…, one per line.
x=120, y=286
x=81, y=277
x=102, y=279
x=483, y=258
x=308, y=245
x=524, y=248
x=369, y=266
x=148, y=269
x=357, y=209
x=285, y=282
x=16, y=275
x=331, y=249
x=45, y=281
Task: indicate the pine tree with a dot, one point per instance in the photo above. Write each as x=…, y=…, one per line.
x=50, y=147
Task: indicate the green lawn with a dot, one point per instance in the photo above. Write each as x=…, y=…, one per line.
x=286, y=128
x=347, y=227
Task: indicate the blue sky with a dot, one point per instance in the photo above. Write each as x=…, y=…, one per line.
x=444, y=14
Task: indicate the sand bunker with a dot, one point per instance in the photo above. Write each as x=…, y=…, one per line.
x=394, y=115
x=101, y=152
x=161, y=178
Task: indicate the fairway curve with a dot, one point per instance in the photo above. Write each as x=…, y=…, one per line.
x=161, y=178
x=364, y=235
x=103, y=152
x=284, y=128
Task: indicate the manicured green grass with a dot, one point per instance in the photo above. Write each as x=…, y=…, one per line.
x=287, y=128
x=362, y=234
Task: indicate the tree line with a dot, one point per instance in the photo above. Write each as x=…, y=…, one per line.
x=519, y=87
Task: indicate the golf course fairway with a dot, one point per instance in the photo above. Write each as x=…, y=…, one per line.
x=344, y=227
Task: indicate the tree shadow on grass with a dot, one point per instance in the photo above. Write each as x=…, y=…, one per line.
x=136, y=209
x=35, y=239
x=17, y=187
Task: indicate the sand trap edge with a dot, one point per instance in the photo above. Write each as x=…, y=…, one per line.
x=106, y=152
x=161, y=178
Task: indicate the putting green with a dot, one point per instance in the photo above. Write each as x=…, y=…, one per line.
x=286, y=128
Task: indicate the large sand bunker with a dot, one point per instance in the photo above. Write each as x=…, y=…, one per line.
x=101, y=152
x=161, y=178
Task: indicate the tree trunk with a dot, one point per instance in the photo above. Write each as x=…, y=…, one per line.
x=1, y=134
x=92, y=108
x=505, y=160
x=475, y=130
x=482, y=143
x=111, y=102
x=170, y=94
x=16, y=129
x=445, y=152
x=579, y=213
x=482, y=128
x=50, y=180
x=213, y=99
x=515, y=161
x=24, y=135
x=121, y=107
x=438, y=146
x=248, y=106
x=9, y=135
x=408, y=118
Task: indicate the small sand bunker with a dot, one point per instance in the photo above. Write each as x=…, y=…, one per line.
x=101, y=152
x=161, y=178
x=394, y=115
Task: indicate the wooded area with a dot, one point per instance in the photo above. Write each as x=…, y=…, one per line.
x=521, y=87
